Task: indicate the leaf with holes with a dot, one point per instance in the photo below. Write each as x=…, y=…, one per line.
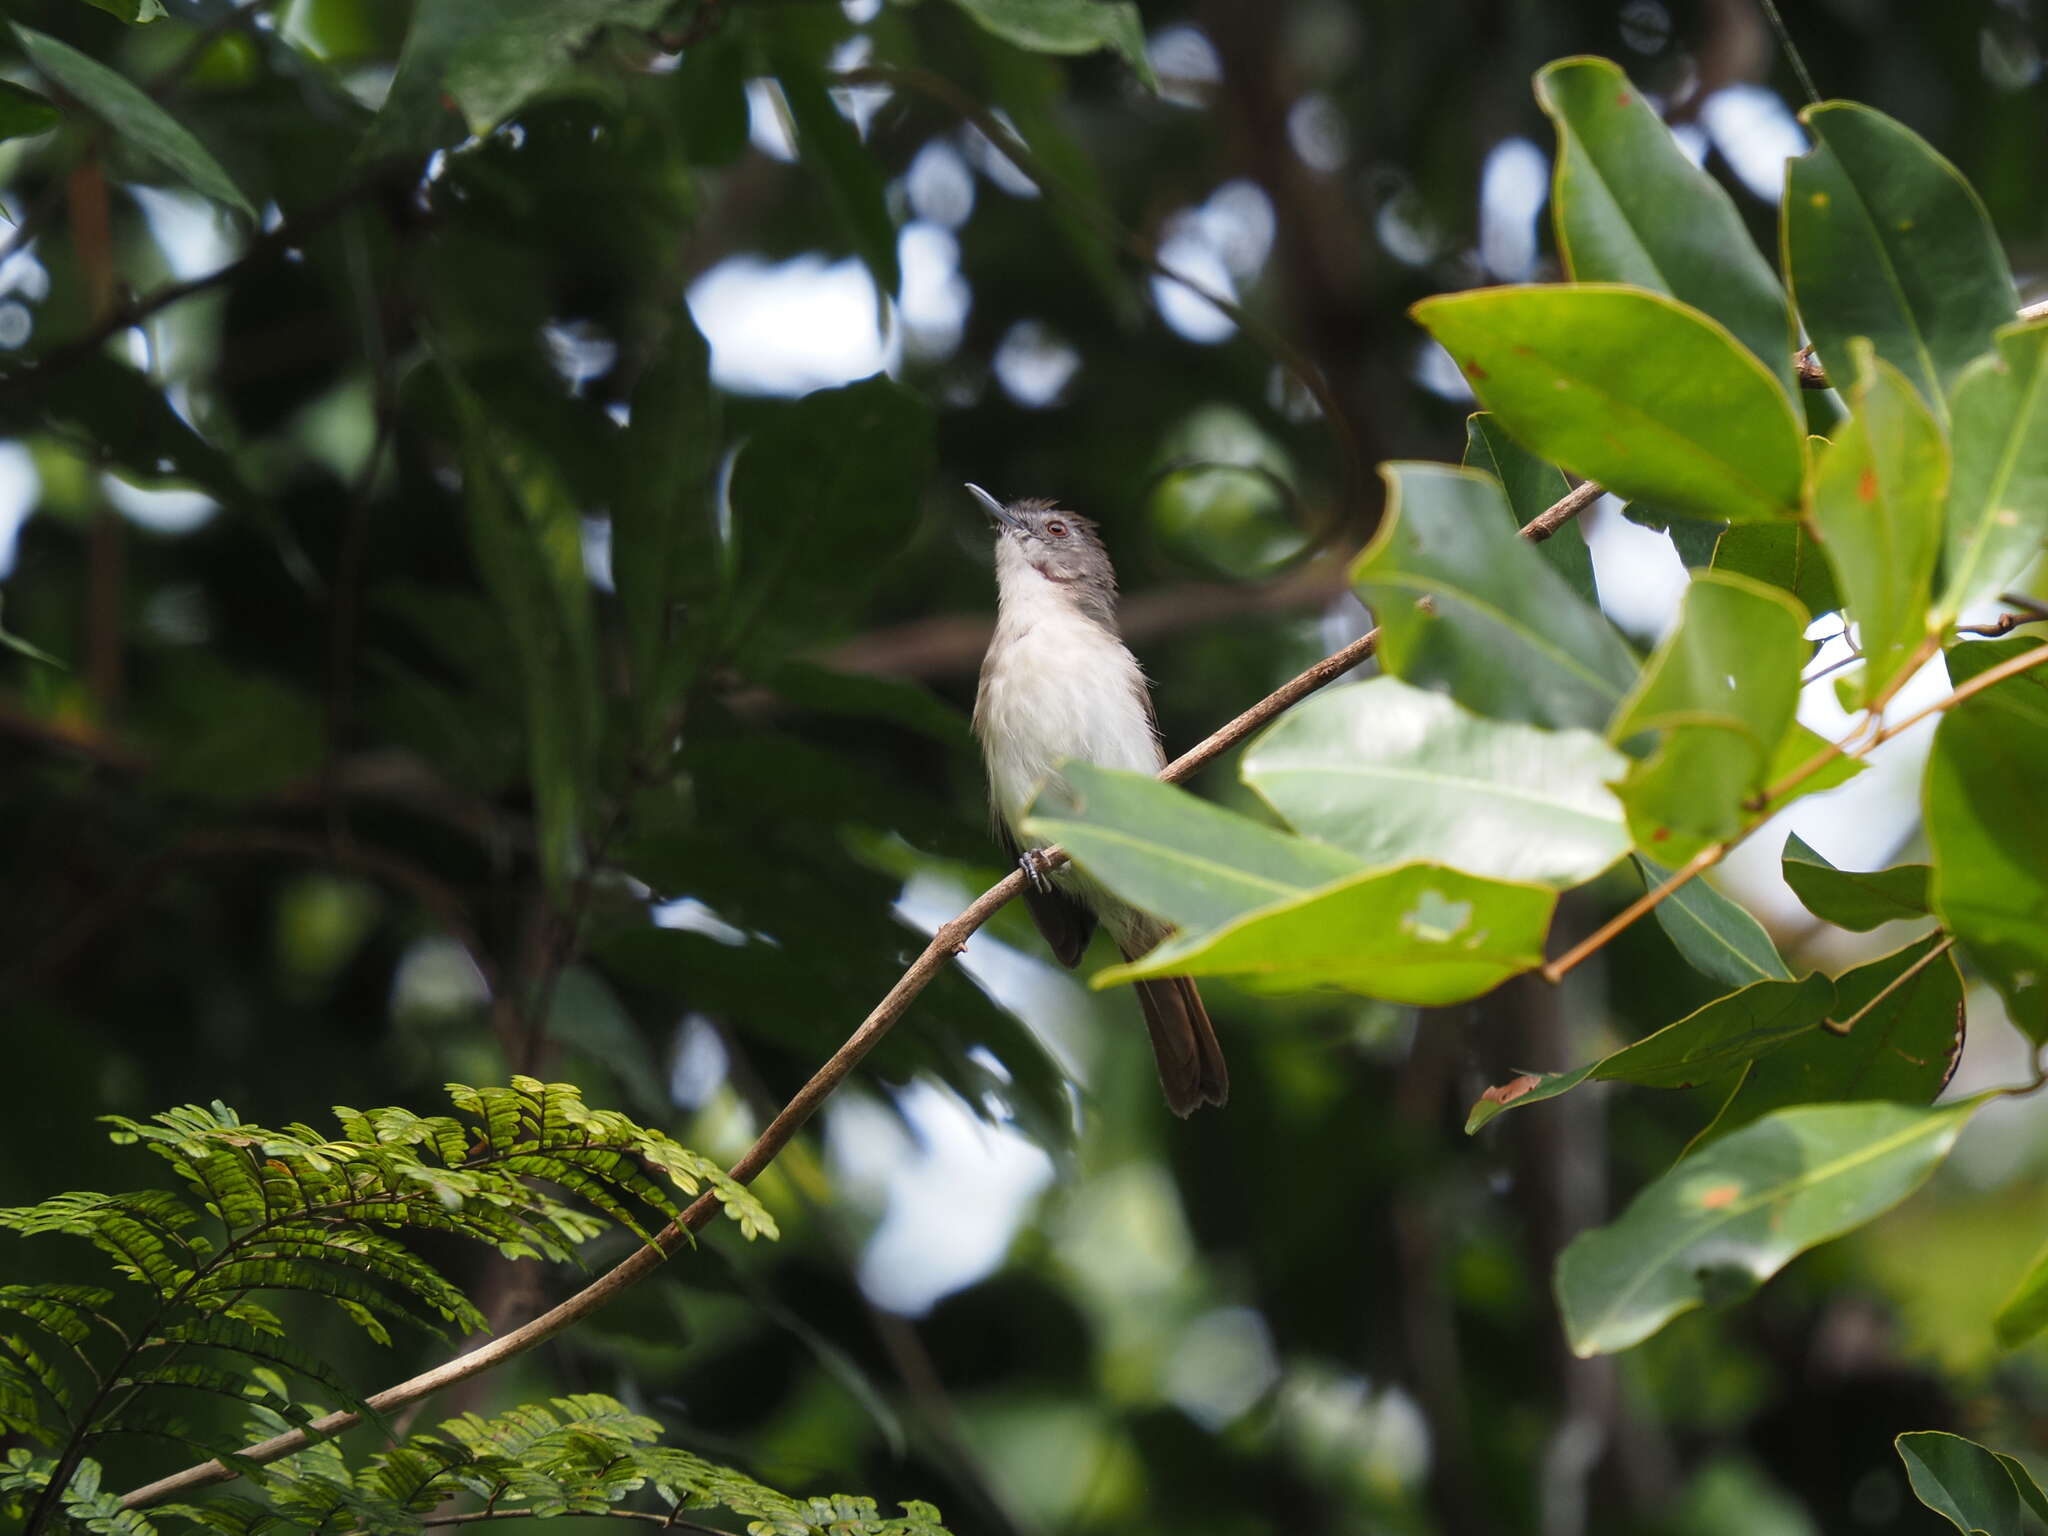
x=1417, y=934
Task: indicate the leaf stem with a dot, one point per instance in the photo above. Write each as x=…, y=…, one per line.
x=1843, y=1026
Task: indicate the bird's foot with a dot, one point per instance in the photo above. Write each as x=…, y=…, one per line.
x=1037, y=870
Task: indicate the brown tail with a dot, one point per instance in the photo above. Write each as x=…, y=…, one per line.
x=1191, y=1066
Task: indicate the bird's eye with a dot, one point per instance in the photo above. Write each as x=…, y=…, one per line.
x=1056, y=528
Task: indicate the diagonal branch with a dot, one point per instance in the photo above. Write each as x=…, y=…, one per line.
x=948, y=941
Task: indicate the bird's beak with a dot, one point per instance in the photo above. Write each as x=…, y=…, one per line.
x=1002, y=514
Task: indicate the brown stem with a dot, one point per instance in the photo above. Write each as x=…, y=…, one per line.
x=1843, y=1026
x=1713, y=853
x=948, y=941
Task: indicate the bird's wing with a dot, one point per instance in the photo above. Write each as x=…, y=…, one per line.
x=1066, y=921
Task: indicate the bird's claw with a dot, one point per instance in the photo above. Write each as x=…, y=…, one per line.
x=1036, y=870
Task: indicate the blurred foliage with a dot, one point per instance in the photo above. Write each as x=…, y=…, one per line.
x=436, y=650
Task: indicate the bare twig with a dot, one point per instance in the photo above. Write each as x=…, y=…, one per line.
x=1844, y=1026
x=293, y=231
x=950, y=939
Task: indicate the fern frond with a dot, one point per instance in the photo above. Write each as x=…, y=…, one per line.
x=143, y=1231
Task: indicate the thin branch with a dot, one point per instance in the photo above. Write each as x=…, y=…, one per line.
x=293, y=231
x=1713, y=853
x=950, y=939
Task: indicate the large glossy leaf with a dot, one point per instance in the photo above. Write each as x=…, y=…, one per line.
x=1392, y=774
x=1162, y=849
x=1466, y=606
x=1417, y=934
x=1783, y=554
x=665, y=559
x=1717, y=937
x=1974, y=1489
x=1719, y=693
x=1632, y=207
x=1722, y=1037
x=1997, y=515
x=1885, y=240
x=1533, y=488
x=1903, y=1016
x=1877, y=500
x=1854, y=899
x=853, y=179
x=822, y=497
x=142, y=124
x=1068, y=26
x=1987, y=826
x=1630, y=388
x=1726, y=1219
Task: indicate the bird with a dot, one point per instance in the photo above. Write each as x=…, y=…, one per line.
x=1058, y=682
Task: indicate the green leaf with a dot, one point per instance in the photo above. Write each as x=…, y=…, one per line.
x=1533, y=488
x=143, y=124
x=1975, y=1490
x=1068, y=26
x=1783, y=554
x=1466, y=606
x=1877, y=500
x=527, y=541
x=1630, y=388
x=664, y=560
x=1190, y=862
x=1903, y=1015
x=816, y=519
x=1417, y=934
x=1726, y=1034
x=1850, y=898
x=1729, y=1217
x=2025, y=1312
x=488, y=61
x=1721, y=690
x=1632, y=207
x=1885, y=240
x=1392, y=774
x=853, y=181
x=23, y=112
x=1997, y=514
x=1987, y=828
x=1718, y=938
x=131, y=10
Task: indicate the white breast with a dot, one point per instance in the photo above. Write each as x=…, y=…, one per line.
x=1061, y=686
